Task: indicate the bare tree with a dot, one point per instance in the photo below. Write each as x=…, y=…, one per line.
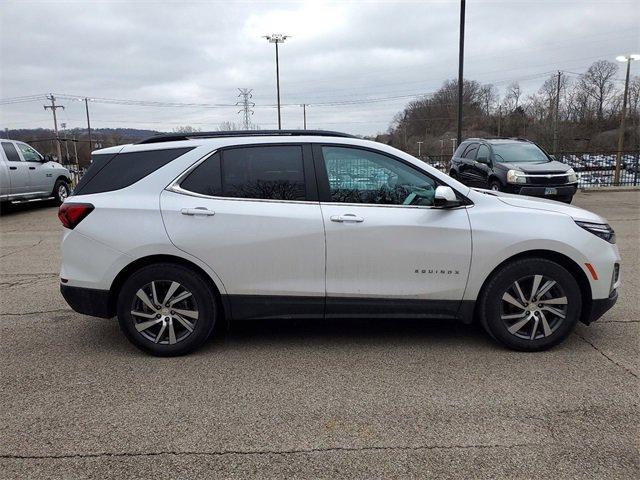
x=185, y=129
x=512, y=96
x=597, y=84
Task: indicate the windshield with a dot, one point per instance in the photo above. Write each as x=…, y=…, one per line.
x=518, y=152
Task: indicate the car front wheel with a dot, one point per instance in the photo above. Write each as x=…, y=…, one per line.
x=495, y=185
x=166, y=309
x=530, y=304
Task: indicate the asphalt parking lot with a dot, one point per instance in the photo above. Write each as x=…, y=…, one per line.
x=354, y=399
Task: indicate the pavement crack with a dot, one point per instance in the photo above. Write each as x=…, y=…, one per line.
x=220, y=453
x=35, y=313
x=626, y=369
x=23, y=249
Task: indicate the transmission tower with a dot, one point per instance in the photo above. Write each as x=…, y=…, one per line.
x=247, y=105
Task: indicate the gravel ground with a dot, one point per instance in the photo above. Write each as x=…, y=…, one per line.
x=310, y=399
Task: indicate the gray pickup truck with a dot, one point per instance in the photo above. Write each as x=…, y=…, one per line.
x=27, y=175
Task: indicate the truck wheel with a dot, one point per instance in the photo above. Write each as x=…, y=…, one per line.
x=61, y=190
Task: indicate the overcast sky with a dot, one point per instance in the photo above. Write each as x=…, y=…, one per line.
x=202, y=51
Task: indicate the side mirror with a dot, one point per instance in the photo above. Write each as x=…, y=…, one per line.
x=445, y=197
x=47, y=158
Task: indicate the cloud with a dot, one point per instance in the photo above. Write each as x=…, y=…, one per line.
x=201, y=52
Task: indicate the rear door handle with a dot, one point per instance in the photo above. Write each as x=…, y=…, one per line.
x=203, y=211
x=347, y=218
x=13, y=168
x=32, y=168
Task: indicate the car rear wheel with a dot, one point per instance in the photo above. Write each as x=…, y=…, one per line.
x=166, y=309
x=530, y=304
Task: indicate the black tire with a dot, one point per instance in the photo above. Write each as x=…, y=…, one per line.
x=495, y=185
x=491, y=305
x=163, y=273
x=60, y=186
x=454, y=175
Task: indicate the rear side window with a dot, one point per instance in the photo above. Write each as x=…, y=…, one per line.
x=205, y=178
x=264, y=172
x=470, y=152
x=11, y=152
x=113, y=172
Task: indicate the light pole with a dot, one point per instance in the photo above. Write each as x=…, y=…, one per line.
x=277, y=38
x=460, y=70
x=628, y=59
x=419, y=145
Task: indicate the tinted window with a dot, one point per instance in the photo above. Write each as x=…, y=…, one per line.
x=460, y=150
x=273, y=173
x=28, y=153
x=205, y=178
x=518, y=152
x=361, y=176
x=119, y=171
x=470, y=152
x=483, y=151
x=11, y=152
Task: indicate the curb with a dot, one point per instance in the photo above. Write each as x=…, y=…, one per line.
x=609, y=189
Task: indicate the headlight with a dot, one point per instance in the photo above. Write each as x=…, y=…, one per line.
x=602, y=230
x=571, y=176
x=516, y=176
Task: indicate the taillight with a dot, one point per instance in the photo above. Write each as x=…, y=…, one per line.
x=71, y=214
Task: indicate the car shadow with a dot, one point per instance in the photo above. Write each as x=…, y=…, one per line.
x=309, y=333
x=7, y=209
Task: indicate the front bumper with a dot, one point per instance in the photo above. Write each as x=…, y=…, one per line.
x=88, y=301
x=559, y=191
x=600, y=306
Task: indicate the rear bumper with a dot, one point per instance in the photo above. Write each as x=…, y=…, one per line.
x=600, y=306
x=88, y=301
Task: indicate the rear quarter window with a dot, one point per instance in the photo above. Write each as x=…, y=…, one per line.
x=110, y=172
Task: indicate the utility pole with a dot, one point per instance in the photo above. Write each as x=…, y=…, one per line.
x=557, y=113
x=419, y=145
x=247, y=105
x=304, y=115
x=53, y=107
x=86, y=107
x=499, y=120
x=277, y=38
x=460, y=70
x=628, y=59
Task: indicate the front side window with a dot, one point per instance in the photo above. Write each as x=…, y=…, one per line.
x=518, y=152
x=261, y=172
x=362, y=176
x=483, y=152
x=29, y=154
x=11, y=152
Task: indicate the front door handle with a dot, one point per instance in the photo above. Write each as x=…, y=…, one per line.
x=197, y=211
x=347, y=218
x=32, y=168
x=13, y=168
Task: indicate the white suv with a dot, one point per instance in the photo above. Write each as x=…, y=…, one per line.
x=179, y=232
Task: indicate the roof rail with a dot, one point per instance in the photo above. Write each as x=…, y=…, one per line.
x=173, y=137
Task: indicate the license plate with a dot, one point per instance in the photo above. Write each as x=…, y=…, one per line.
x=550, y=191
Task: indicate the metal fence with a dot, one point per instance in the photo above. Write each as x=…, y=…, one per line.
x=593, y=169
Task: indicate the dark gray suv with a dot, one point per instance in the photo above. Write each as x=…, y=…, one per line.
x=513, y=165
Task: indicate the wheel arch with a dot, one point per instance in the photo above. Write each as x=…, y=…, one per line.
x=559, y=258
x=494, y=176
x=142, y=262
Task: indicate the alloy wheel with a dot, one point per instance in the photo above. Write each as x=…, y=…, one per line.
x=63, y=192
x=164, y=312
x=537, y=313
